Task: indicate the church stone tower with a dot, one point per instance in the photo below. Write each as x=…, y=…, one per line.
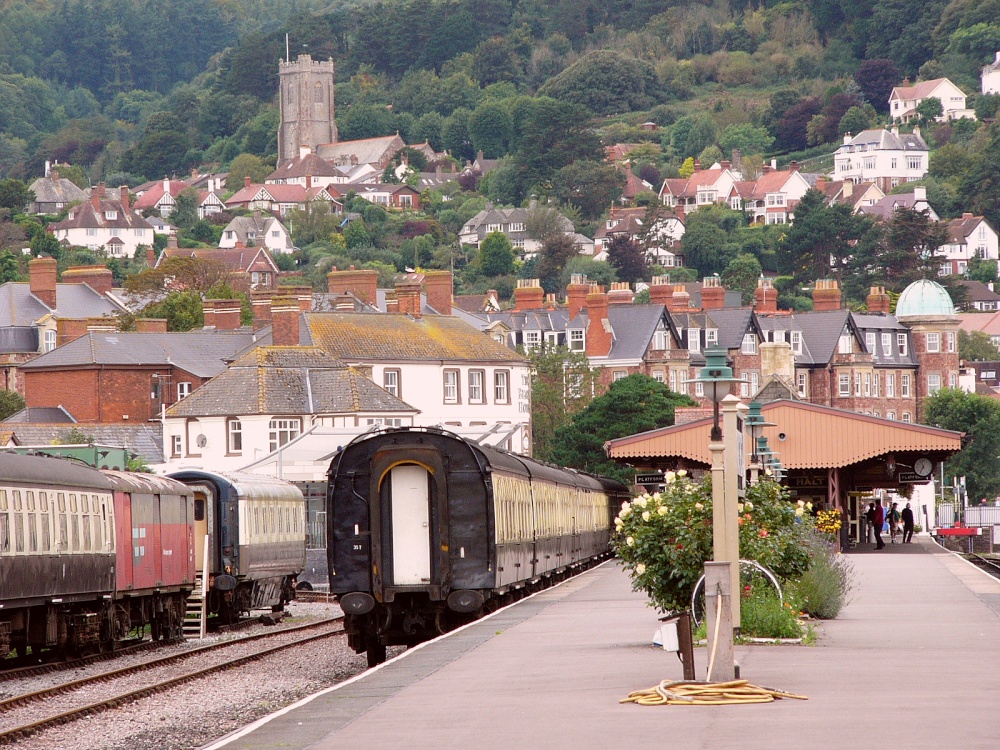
x=307, y=110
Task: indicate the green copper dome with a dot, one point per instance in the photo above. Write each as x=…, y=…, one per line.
x=924, y=297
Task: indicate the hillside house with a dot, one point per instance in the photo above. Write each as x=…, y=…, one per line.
x=106, y=221
x=968, y=237
x=885, y=157
x=53, y=193
x=990, y=77
x=904, y=100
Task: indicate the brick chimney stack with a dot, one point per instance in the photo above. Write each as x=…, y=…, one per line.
x=362, y=283
x=598, y=329
x=97, y=195
x=408, y=296
x=620, y=293
x=765, y=296
x=877, y=301
x=123, y=192
x=576, y=294
x=68, y=329
x=260, y=301
x=529, y=295
x=223, y=314
x=98, y=278
x=826, y=295
x=660, y=291
x=42, y=280
x=713, y=294
x=151, y=325
x=438, y=286
x=285, y=320
x=304, y=294
x=680, y=300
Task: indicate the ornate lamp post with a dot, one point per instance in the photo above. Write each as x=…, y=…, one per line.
x=756, y=422
x=721, y=609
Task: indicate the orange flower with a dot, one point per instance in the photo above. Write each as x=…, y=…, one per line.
x=763, y=533
x=740, y=521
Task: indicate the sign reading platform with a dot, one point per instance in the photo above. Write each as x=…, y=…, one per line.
x=655, y=477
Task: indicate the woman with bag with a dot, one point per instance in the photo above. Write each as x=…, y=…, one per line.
x=892, y=517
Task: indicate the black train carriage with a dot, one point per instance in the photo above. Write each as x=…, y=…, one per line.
x=427, y=529
x=255, y=527
x=55, y=584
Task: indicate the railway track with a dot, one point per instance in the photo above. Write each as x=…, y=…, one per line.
x=990, y=565
x=59, y=665
x=63, y=711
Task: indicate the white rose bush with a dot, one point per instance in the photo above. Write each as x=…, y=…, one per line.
x=664, y=539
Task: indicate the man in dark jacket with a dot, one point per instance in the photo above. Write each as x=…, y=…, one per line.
x=907, y=516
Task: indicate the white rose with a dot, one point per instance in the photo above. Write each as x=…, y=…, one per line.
x=645, y=515
x=619, y=523
x=662, y=510
x=657, y=496
x=698, y=506
x=669, y=477
x=625, y=512
x=739, y=507
x=748, y=505
x=682, y=473
x=798, y=512
x=640, y=569
x=626, y=505
x=801, y=503
x=809, y=506
x=630, y=541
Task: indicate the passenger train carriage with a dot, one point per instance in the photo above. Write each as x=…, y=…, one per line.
x=87, y=556
x=256, y=531
x=427, y=530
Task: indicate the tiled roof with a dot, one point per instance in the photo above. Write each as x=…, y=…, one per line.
x=885, y=140
x=151, y=197
x=960, y=229
x=19, y=307
x=919, y=90
x=241, y=259
x=145, y=440
x=253, y=230
x=287, y=380
x=310, y=165
x=366, y=150
x=85, y=215
x=201, y=353
x=48, y=190
x=371, y=337
x=977, y=291
x=633, y=327
x=41, y=414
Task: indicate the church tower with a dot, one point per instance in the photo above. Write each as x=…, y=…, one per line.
x=307, y=110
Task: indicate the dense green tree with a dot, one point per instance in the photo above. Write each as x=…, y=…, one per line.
x=976, y=346
x=491, y=129
x=854, y=121
x=556, y=252
x=562, y=385
x=905, y=252
x=821, y=240
x=636, y=403
x=606, y=82
x=589, y=186
x=979, y=418
x=902, y=32
x=357, y=235
x=366, y=121
x=11, y=402
x=983, y=270
x=596, y=271
x=185, y=212
x=247, y=165
x=747, y=138
x=495, y=60
x=627, y=257
x=741, y=275
x=162, y=150
x=455, y=134
x=981, y=184
x=182, y=309
x=707, y=246
x=876, y=79
x=9, y=270
x=15, y=195
x=930, y=109
x=496, y=255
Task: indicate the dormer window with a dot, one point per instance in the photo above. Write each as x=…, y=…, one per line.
x=110, y=215
x=532, y=339
x=846, y=345
x=660, y=340
x=796, y=341
x=711, y=336
x=576, y=340
x=694, y=339
x=749, y=343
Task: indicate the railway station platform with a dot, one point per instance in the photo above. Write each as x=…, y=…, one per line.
x=913, y=661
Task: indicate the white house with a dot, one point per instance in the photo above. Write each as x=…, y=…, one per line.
x=991, y=77
x=258, y=230
x=887, y=158
x=453, y=374
x=266, y=399
x=773, y=197
x=968, y=237
x=105, y=221
x=662, y=240
x=904, y=100
x=703, y=188
x=512, y=222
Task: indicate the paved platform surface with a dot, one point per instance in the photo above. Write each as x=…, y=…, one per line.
x=912, y=662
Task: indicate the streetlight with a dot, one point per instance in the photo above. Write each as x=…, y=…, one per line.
x=756, y=422
x=717, y=378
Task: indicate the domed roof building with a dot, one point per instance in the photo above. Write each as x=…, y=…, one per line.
x=924, y=298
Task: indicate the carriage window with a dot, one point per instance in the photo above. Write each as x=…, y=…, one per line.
x=98, y=530
x=4, y=532
x=18, y=532
x=199, y=509
x=43, y=501
x=32, y=533
x=3, y=500
x=61, y=500
x=63, y=532
x=17, y=500
x=86, y=533
x=84, y=504
x=46, y=534
x=72, y=502
x=29, y=497
x=74, y=524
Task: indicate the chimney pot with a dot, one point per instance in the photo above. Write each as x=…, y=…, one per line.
x=826, y=295
x=42, y=280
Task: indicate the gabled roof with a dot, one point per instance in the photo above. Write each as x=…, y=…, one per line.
x=310, y=165
x=815, y=437
x=371, y=337
x=959, y=230
x=146, y=440
x=988, y=322
x=774, y=182
x=252, y=230
x=201, y=353
x=287, y=380
x=242, y=259
x=634, y=326
x=152, y=197
x=977, y=291
x=733, y=324
x=885, y=140
x=41, y=414
x=919, y=90
x=86, y=216
x=366, y=150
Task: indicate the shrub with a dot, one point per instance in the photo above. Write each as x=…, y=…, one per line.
x=763, y=615
x=664, y=539
x=823, y=589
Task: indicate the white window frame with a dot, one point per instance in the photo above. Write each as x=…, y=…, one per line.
x=450, y=382
x=234, y=436
x=887, y=344
x=803, y=384
x=283, y=430
x=870, y=341
x=749, y=345
x=901, y=345
x=390, y=381
x=904, y=385
x=933, y=383
x=845, y=345
x=796, y=340
x=577, y=342
x=501, y=387
x=952, y=339
x=857, y=384
x=890, y=385
x=844, y=385
x=183, y=389
x=476, y=378
x=933, y=342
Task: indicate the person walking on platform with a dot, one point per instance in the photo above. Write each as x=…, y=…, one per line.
x=892, y=518
x=875, y=519
x=907, y=517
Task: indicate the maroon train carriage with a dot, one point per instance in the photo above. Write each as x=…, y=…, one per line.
x=87, y=556
x=154, y=523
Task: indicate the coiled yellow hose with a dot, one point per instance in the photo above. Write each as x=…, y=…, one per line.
x=698, y=693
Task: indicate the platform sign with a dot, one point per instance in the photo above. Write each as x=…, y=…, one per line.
x=655, y=477
x=910, y=477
